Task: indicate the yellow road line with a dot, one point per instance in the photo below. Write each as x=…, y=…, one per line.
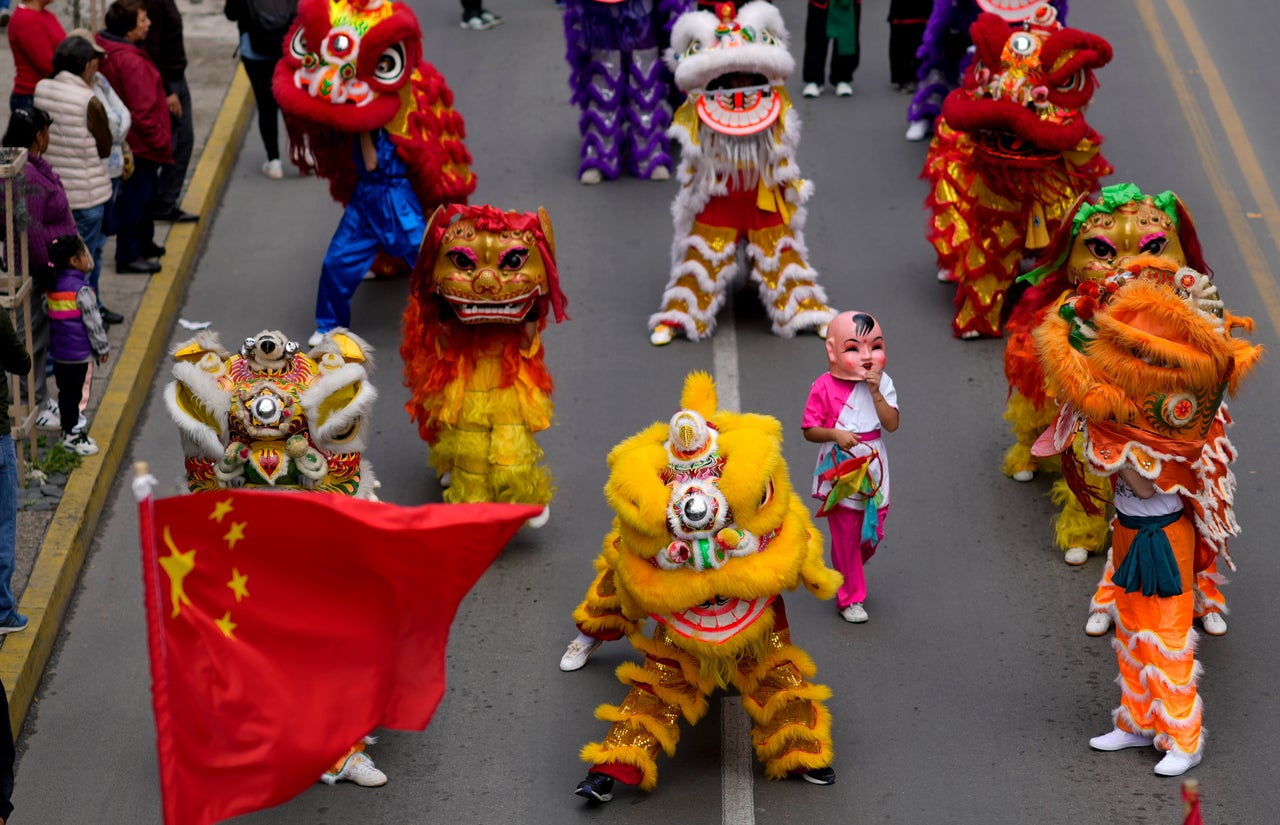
x=1208, y=147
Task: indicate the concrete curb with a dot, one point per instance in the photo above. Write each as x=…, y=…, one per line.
x=62, y=553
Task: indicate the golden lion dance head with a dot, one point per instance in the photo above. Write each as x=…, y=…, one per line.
x=709, y=530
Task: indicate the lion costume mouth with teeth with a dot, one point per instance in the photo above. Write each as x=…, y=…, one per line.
x=708, y=533
x=484, y=285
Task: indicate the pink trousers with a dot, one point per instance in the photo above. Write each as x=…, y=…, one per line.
x=849, y=552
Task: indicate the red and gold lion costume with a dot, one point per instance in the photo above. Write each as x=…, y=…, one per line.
x=484, y=285
x=1140, y=362
x=707, y=534
x=1011, y=153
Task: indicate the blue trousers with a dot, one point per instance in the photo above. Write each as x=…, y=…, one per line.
x=89, y=222
x=8, y=522
x=381, y=215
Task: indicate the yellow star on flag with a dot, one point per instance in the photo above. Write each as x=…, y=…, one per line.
x=234, y=534
x=226, y=625
x=220, y=509
x=177, y=564
x=239, y=584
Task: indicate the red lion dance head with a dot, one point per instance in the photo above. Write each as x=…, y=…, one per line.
x=1027, y=88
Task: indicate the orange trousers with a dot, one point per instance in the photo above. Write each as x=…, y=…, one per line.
x=1155, y=649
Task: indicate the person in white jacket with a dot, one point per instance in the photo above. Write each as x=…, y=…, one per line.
x=79, y=139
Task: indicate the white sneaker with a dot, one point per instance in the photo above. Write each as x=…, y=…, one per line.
x=1023, y=475
x=660, y=173
x=661, y=335
x=1118, y=740
x=1214, y=624
x=844, y=89
x=358, y=769
x=1176, y=763
x=1098, y=623
x=1075, y=556
x=273, y=169
x=590, y=177
x=79, y=443
x=917, y=130
x=854, y=613
x=541, y=519
x=945, y=275
x=812, y=90
x=578, y=654
x=50, y=418
x=315, y=339
x=446, y=479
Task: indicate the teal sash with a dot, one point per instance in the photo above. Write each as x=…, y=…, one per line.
x=1149, y=565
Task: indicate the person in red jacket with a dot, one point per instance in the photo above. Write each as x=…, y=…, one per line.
x=34, y=32
x=137, y=80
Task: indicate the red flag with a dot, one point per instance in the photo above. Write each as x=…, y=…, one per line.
x=284, y=626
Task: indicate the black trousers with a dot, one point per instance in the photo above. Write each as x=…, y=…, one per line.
x=816, y=46
x=904, y=42
x=70, y=378
x=260, y=72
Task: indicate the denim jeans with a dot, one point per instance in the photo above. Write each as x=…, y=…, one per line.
x=89, y=222
x=8, y=522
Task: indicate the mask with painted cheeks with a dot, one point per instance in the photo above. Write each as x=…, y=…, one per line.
x=855, y=344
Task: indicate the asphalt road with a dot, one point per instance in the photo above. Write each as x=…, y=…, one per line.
x=970, y=695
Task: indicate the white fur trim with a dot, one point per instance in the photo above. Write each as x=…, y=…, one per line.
x=199, y=439
x=322, y=432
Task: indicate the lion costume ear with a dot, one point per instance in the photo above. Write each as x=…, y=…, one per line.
x=544, y=218
x=700, y=394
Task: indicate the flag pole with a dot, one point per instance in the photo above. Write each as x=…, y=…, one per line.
x=143, y=486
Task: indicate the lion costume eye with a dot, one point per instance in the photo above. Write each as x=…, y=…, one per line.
x=514, y=259
x=391, y=64
x=693, y=48
x=298, y=45
x=1075, y=83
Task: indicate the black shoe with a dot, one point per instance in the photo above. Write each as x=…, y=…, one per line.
x=151, y=251
x=820, y=776
x=109, y=317
x=596, y=787
x=138, y=267
x=176, y=216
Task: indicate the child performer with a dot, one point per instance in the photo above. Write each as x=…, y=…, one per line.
x=848, y=407
x=76, y=334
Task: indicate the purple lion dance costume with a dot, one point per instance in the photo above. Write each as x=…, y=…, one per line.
x=944, y=54
x=621, y=85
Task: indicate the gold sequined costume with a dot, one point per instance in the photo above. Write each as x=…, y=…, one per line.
x=707, y=533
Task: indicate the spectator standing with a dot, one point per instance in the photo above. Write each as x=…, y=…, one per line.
x=169, y=53
x=119, y=121
x=833, y=26
x=476, y=18
x=137, y=80
x=13, y=359
x=77, y=337
x=263, y=25
x=34, y=32
x=79, y=140
x=907, y=19
x=48, y=216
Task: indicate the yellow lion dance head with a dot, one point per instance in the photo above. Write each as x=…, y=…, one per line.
x=708, y=529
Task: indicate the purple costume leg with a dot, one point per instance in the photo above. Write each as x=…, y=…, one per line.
x=647, y=115
x=596, y=78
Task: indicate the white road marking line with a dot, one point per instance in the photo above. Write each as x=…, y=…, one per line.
x=724, y=352
x=737, y=800
x=737, y=796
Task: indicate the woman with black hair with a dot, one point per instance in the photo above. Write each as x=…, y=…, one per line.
x=79, y=142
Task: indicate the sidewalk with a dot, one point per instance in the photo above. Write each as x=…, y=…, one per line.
x=52, y=544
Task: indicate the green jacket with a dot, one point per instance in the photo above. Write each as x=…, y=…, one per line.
x=14, y=359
